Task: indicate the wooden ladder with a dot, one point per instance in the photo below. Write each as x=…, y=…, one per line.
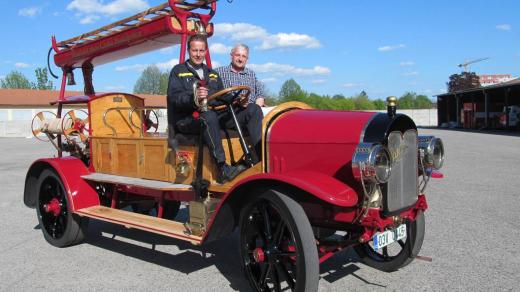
x=136, y=20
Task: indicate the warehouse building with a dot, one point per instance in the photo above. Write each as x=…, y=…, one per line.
x=478, y=108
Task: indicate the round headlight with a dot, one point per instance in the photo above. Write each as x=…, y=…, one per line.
x=431, y=151
x=438, y=153
x=371, y=162
x=381, y=163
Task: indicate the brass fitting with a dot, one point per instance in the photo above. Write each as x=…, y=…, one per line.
x=391, y=102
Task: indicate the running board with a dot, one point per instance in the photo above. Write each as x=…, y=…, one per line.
x=138, y=182
x=143, y=222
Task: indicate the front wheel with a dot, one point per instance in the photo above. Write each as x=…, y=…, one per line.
x=277, y=245
x=397, y=255
x=59, y=226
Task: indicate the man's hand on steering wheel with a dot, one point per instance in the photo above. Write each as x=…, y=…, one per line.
x=234, y=94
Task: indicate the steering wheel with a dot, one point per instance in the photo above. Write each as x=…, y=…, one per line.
x=38, y=123
x=149, y=122
x=238, y=93
x=71, y=125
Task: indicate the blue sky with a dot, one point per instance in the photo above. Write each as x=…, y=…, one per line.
x=328, y=47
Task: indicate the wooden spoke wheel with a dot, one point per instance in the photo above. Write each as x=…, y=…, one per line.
x=398, y=254
x=75, y=124
x=277, y=245
x=59, y=226
x=37, y=124
x=236, y=91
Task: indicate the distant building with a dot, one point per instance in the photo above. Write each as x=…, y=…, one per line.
x=19, y=106
x=492, y=79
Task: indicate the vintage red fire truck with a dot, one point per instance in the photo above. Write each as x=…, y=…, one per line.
x=326, y=180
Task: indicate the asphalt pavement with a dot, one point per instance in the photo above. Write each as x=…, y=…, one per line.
x=472, y=235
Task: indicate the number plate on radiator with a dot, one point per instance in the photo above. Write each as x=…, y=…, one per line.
x=389, y=236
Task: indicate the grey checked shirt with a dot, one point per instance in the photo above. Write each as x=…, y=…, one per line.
x=246, y=78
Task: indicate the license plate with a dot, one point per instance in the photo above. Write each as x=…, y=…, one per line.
x=389, y=236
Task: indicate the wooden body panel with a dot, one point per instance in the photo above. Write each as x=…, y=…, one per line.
x=150, y=158
x=127, y=157
x=110, y=116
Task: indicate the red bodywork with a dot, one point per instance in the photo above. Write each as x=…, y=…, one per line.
x=70, y=169
x=327, y=148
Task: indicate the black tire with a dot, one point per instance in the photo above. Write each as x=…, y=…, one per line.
x=62, y=228
x=277, y=245
x=396, y=255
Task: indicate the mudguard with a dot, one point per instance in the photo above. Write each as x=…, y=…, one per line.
x=70, y=169
x=319, y=185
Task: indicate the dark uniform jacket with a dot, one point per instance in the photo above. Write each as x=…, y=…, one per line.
x=180, y=90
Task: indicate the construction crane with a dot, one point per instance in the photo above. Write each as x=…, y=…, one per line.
x=466, y=64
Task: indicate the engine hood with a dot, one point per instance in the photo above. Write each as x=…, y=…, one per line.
x=319, y=127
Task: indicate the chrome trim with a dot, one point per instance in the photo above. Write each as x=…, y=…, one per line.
x=403, y=185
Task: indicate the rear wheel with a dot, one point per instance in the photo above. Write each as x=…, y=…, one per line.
x=60, y=227
x=277, y=245
x=397, y=255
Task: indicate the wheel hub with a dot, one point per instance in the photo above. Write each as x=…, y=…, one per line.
x=259, y=255
x=53, y=207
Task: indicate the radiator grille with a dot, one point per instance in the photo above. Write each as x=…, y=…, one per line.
x=402, y=187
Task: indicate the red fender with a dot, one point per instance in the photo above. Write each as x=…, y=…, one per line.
x=322, y=186
x=70, y=169
x=317, y=184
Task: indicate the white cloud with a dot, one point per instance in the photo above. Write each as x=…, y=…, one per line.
x=215, y=64
x=504, y=26
x=351, y=85
x=407, y=64
x=240, y=31
x=21, y=65
x=391, y=48
x=2, y=76
x=249, y=32
x=318, y=81
x=284, y=69
x=269, y=80
x=218, y=48
x=30, y=11
x=115, y=88
x=289, y=40
x=167, y=50
x=135, y=67
x=164, y=66
x=112, y=8
x=412, y=73
x=89, y=19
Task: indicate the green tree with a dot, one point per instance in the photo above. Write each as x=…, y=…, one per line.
x=379, y=104
x=361, y=102
x=151, y=81
x=291, y=90
x=422, y=101
x=42, y=80
x=407, y=101
x=15, y=79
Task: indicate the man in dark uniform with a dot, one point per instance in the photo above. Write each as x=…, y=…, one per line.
x=181, y=105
